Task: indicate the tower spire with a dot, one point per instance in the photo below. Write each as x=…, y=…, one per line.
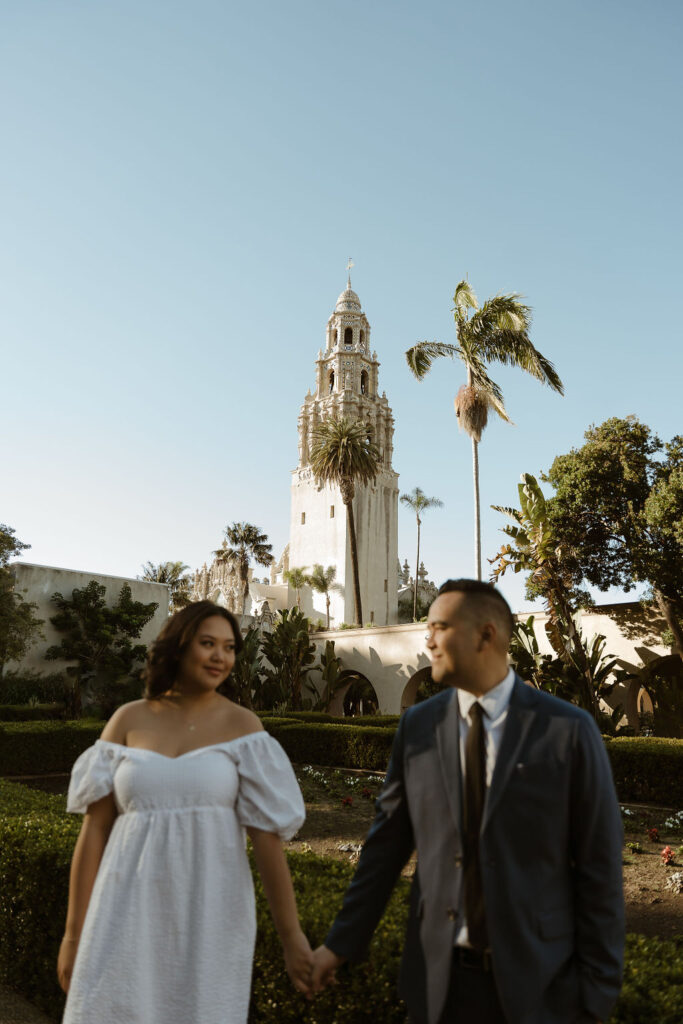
x=348, y=269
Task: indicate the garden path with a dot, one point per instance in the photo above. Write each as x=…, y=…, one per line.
x=14, y=1009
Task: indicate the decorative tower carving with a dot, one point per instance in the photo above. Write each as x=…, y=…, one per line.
x=347, y=384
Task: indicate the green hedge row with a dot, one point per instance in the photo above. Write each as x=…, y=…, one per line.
x=36, y=842
x=645, y=770
x=30, y=712
x=320, y=717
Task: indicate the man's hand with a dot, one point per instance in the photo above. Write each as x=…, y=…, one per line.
x=325, y=964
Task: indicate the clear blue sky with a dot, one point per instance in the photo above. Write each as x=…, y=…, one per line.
x=182, y=184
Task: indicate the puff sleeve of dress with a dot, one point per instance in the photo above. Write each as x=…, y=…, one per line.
x=269, y=797
x=92, y=776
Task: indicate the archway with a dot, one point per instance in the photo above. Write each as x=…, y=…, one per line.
x=358, y=697
x=348, y=337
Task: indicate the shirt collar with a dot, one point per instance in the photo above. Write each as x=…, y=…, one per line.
x=494, y=702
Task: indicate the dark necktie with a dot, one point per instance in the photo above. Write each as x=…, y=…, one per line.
x=475, y=794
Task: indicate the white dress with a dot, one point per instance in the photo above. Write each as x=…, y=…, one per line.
x=169, y=933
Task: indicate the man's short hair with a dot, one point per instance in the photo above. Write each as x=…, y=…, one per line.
x=483, y=601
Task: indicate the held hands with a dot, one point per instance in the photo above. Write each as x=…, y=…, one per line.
x=325, y=964
x=299, y=962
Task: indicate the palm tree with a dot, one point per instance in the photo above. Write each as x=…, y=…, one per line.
x=242, y=543
x=418, y=501
x=296, y=578
x=343, y=455
x=174, y=575
x=322, y=581
x=498, y=332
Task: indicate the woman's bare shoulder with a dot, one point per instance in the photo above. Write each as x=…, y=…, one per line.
x=242, y=720
x=125, y=718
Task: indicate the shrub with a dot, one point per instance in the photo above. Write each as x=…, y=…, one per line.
x=29, y=748
x=340, y=746
x=21, y=687
x=377, y=721
x=36, y=842
x=30, y=712
x=648, y=770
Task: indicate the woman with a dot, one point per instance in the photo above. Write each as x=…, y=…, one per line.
x=161, y=920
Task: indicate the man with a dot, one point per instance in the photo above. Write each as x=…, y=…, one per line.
x=516, y=909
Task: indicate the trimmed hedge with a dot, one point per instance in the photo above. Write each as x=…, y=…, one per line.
x=648, y=770
x=321, y=718
x=36, y=841
x=30, y=712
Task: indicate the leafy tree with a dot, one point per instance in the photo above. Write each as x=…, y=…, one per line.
x=535, y=549
x=245, y=678
x=418, y=502
x=19, y=625
x=333, y=676
x=343, y=455
x=497, y=332
x=297, y=578
x=244, y=542
x=323, y=582
x=174, y=574
x=291, y=654
x=99, y=639
x=618, y=505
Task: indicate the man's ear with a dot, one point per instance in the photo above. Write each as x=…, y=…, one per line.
x=488, y=635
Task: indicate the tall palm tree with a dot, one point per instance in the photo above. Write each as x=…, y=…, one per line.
x=343, y=455
x=497, y=332
x=323, y=581
x=244, y=542
x=296, y=578
x=418, y=502
x=173, y=574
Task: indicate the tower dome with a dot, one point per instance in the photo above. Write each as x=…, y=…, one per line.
x=348, y=301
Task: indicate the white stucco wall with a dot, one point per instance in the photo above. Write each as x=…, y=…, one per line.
x=38, y=583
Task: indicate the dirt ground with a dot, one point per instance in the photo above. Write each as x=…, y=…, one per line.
x=651, y=908
x=340, y=808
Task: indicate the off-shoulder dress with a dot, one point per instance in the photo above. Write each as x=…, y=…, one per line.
x=169, y=933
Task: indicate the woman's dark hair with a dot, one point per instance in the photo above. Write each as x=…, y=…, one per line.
x=165, y=653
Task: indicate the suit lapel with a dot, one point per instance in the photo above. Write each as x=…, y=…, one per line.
x=517, y=724
x=448, y=746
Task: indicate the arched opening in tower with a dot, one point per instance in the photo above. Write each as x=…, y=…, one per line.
x=348, y=337
x=363, y=382
x=330, y=381
x=334, y=338
x=362, y=339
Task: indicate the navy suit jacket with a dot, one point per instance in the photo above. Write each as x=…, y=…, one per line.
x=551, y=855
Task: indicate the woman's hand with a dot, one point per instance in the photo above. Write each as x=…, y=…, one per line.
x=299, y=962
x=65, y=962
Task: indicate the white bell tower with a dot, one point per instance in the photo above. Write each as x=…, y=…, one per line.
x=347, y=384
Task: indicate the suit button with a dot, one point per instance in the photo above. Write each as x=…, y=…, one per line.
x=451, y=914
x=458, y=861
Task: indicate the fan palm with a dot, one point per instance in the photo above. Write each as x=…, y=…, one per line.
x=296, y=578
x=323, y=581
x=244, y=542
x=342, y=455
x=496, y=332
x=174, y=575
x=418, y=502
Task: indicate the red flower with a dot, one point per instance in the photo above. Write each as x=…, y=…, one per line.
x=365, y=793
x=667, y=855
x=347, y=801
x=653, y=834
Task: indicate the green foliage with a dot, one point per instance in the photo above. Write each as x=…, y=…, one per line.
x=618, y=505
x=297, y=578
x=99, y=639
x=24, y=686
x=291, y=654
x=31, y=712
x=662, y=678
x=174, y=575
x=322, y=580
x=418, y=502
x=244, y=681
x=19, y=625
x=333, y=676
x=36, y=844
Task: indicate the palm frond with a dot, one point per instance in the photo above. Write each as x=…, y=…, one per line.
x=464, y=299
x=342, y=453
x=421, y=356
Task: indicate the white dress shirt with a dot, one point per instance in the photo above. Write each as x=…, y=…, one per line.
x=495, y=707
